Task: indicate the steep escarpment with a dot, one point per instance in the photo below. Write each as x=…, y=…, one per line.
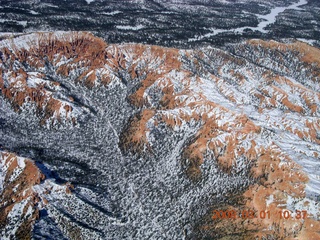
x=156, y=140
x=18, y=200
x=32, y=65
x=29, y=194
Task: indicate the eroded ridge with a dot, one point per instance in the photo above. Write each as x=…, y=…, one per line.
x=249, y=110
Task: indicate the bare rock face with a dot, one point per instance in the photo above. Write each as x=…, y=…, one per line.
x=188, y=132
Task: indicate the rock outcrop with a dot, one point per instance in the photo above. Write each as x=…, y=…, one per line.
x=250, y=111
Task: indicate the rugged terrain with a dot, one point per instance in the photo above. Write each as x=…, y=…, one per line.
x=131, y=141
x=172, y=23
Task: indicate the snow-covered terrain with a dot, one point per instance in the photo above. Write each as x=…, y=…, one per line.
x=265, y=20
x=132, y=141
x=168, y=23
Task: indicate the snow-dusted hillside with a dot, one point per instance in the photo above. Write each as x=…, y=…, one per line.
x=144, y=142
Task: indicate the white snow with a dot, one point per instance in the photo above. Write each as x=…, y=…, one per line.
x=209, y=89
x=16, y=172
x=23, y=23
x=271, y=17
x=3, y=171
x=34, y=12
x=266, y=20
x=19, y=42
x=6, y=34
x=50, y=5
x=89, y=1
x=21, y=162
x=29, y=211
x=33, y=80
x=127, y=27
x=312, y=208
x=14, y=218
x=111, y=13
x=310, y=42
x=4, y=167
x=15, y=188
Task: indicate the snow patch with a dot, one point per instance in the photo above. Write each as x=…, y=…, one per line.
x=310, y=42
x=127, y=27
x=34, y=12
x=89, y=1
x=21, y=162
x=111, y=13
x=23, y=23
